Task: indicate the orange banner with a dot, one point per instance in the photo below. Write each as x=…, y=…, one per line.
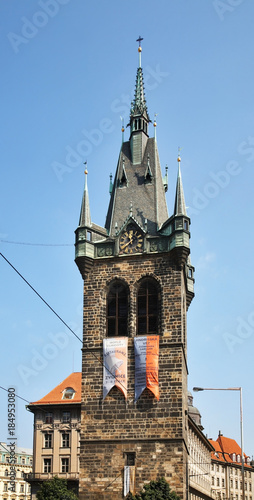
x=152, y=365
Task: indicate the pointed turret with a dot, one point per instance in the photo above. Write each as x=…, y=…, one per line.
x=180, y=208
x=85, y=216
x=87, y=234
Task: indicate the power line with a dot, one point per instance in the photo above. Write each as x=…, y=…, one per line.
x=16, y=395
x=37, y=244
x=43, y=300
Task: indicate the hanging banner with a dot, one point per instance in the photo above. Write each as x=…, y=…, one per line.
x=129, y=480
x=146, y=365
x=115, y=364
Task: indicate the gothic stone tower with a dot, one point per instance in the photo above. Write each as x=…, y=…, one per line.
x=138, y=284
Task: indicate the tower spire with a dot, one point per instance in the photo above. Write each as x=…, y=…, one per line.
x=180, y=208
x=85, y=216
x=139, y=118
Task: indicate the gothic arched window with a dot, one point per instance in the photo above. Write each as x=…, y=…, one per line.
x=148, y=307
x=117, y=310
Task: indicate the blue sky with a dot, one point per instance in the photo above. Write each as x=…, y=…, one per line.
x=68, y=73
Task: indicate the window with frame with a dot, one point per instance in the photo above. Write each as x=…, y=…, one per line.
x=6, y=472
x=148, y=307
x=68, y=393
x=48, y=440
x=65, y=465
x=22, y=488
x=5, y=487
x=130, y=458
x=47, y=465
x=66, y=417
x=48, y=418
x=117, y=310
x=65, y=439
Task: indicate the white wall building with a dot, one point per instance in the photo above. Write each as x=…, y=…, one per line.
x=18, y=488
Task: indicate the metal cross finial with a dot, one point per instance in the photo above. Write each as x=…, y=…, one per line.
x=139, y=40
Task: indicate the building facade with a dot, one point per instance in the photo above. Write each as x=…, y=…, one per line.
x=138, y=285
x=200, y=458
x=20, y=490
x=226, y=471
x=57, y=435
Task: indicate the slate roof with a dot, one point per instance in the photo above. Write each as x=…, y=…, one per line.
x=55, y=396
x=147, y=198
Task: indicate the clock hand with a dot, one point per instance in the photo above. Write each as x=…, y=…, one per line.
x=125, y=245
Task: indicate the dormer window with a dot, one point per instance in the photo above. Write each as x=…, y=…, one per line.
x=68, y=393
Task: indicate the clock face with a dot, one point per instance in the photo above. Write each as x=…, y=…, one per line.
x=131, y=241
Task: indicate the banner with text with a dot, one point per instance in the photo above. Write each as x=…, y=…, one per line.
x=115, y=364
x=146, y=365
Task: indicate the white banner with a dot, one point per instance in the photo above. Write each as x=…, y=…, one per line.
x=115, y=364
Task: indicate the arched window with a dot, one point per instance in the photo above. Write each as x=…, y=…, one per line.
x=117, y=310
x=148, y=307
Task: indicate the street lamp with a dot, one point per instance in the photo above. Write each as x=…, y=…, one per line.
x=198, y=389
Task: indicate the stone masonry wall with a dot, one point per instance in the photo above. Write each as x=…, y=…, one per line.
x=156, y=431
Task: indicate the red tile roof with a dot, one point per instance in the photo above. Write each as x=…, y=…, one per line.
x=55, y=396
x=225, y=448
x=217, y=454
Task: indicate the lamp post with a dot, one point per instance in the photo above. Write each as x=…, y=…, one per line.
x=198, y=389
